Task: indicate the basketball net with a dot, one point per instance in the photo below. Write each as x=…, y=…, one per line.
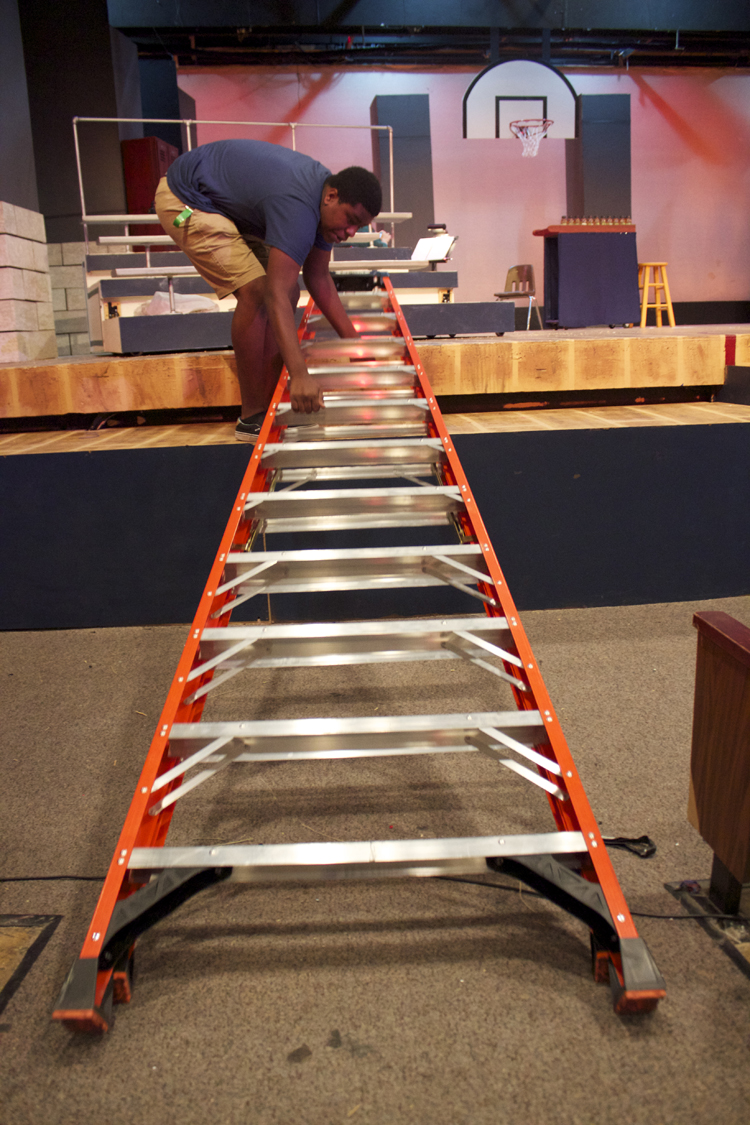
x=530, y=133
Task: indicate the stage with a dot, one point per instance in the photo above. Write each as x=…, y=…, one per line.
x=588, y=503
x=587, y=507
x=531, y=363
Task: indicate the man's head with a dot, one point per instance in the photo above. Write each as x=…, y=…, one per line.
x=351, y=199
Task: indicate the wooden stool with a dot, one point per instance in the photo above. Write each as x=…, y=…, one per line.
x=657, y=280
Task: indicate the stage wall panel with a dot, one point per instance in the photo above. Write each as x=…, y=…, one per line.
x=577, y=518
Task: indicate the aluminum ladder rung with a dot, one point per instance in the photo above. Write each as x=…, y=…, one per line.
x=356, y=569
x=356, y=859
x=327, y=736
x=358, y=642
x=238, y=648
x=314, y=428
x=388, y=349
x=214, y=746
x=358, y=410
x=415, y=456
x=370, y=396
x=376, y=471
x=363, y=376
x=364, y=301
x=337, y=509
x=364, y=321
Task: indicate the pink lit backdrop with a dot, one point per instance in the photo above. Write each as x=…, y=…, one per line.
x=690, y=134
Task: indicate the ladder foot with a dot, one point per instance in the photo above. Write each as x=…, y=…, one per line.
x=636, y=983
x=637, y=1002
x=91, y=1023
x=77, y=1007
x=122, y=979
x=600, y=961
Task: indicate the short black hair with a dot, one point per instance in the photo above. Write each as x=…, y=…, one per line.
x=357, y=185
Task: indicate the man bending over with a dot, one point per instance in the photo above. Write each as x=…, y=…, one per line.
x=248, y=215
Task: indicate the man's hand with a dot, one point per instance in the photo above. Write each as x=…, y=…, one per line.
x=306, y=395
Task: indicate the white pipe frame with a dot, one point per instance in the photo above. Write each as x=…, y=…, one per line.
x=188, y=123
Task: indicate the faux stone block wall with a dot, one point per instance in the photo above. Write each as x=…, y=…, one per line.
x=66, y=267
x=27, y=330
x=69, y=297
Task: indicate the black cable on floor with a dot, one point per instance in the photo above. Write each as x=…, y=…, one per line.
x=445, y=878
x=634, y=913
x=51, y=878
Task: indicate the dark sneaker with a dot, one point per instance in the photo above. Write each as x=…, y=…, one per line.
x=248, y=429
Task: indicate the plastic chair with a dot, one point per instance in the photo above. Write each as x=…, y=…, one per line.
x=520, y=283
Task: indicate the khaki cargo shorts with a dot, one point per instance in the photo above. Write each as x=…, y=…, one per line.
x=213, y=244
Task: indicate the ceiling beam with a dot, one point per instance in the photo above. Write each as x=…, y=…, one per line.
x=282, y=46
x=601, y=15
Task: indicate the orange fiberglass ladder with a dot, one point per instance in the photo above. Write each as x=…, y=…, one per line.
x=380, y=422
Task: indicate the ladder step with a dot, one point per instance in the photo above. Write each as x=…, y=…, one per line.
x=364, y=376
x=338, y=509
x=359, y=410
x=312, y=428
x=283, y=455
x=359, y=349
x=356, y=569
x=357, y=859
x=369, y=396
x=377, y=471
x=217, y=745
x=239, y=647
x=335, y=461
x=324, y=736
x=357, y=642
x=362, y=320
x=363, y=301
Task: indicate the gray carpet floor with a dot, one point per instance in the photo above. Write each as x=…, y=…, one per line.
x=412, y=1001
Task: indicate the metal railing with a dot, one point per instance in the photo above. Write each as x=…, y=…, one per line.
x=187, y=123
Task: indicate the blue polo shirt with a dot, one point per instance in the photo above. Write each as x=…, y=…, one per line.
x=268, y=192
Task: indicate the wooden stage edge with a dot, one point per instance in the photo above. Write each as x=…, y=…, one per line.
x=488, y=422
x=590, y=359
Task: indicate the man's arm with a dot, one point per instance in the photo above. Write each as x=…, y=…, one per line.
x=317, y=274
x=281, y=285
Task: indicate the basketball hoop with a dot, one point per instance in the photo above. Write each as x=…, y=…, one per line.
x=530, y=133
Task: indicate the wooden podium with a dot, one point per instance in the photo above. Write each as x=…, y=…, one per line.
x=719, y=802
x=590, y=275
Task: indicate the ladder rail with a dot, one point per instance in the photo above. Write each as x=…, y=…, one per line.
x=577, y=815
x=139, y=828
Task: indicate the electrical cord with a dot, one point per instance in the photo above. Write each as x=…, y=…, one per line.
x=444, y=878
x=51, y=878
x=642, y=846
x=634, y=913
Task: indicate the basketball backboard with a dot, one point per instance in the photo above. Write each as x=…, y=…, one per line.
x=519, y=88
